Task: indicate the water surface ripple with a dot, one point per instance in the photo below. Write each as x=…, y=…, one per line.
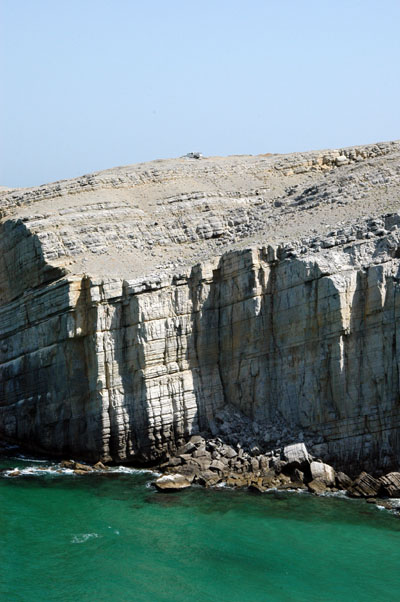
x=112, y=537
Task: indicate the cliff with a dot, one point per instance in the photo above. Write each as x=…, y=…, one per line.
x=141, y=303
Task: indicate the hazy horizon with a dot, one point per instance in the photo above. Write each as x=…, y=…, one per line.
x=92, y=85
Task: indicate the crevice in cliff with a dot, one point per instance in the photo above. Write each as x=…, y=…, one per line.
x=216, y=285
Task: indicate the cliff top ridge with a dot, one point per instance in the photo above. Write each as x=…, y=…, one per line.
x=161, y=216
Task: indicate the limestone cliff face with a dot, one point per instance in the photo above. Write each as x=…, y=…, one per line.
x=303, y=338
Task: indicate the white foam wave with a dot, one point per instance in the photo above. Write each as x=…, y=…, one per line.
x=58, y=470
x=130, y=470
x=81, y=538
x=36, y=471
x=340, y=493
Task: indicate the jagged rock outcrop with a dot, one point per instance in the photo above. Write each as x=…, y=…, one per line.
x=391, y=484
x=365, y=486
x=140, y=303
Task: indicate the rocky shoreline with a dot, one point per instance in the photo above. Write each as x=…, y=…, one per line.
x=212, y=462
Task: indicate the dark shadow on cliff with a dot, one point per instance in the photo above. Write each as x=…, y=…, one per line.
x=50, y=402
x=226, y=343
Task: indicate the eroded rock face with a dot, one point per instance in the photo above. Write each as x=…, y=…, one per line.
x=391, y=484
x=298, y=337
x=365, y=486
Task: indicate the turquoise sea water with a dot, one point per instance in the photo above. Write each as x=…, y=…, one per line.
x=114, y=538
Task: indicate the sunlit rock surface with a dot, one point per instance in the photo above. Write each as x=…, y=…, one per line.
x=137, y=303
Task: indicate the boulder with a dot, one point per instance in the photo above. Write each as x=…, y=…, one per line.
x=317, y=486
x=188, y=448
x=278, y=465
x=341, y=160
x=100, y=466
x=83, y=467
x=208, y=478
x=297, y=478
x=236, y=480
x=172, y=482
x=188, y=470
x=228, y=452
x=185, y=457
x=174, y=461
x=211, y=445
x=323, y=472
x=203, y=463
x=297, y=452
x=256, y=488
x=255, y=464
x=284, y=479
x=264, y=464
x=270, y=480
x=67, y=464
x=391, y=484
x=218, y=465
x=342, y=480
x=364, y=486
x=196, y=439
x=201, y=452
x=191, y=467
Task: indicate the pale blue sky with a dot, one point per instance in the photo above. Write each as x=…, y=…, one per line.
x=91, y=84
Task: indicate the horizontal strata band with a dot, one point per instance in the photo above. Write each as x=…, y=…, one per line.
x=138, y=303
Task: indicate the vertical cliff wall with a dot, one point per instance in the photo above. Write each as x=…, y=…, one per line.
x=301, y=340
x=300, y=337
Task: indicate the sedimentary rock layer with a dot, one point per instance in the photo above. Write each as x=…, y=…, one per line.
x=131, y=317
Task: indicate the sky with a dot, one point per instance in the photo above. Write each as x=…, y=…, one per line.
x=91, y=84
